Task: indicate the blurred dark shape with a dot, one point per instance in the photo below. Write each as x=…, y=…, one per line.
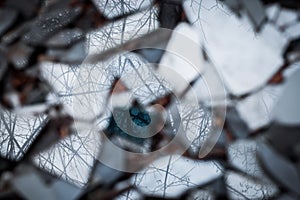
x=65, y=38
x=292, y=51
x=255, y=10
x=279, y=168
x=291, y=4
x=152, y=55
x=50, y=23
x=7, y=18
x=20, y=54
x=25, y=9
x=170, y=15
x=6, y=165
x=72, y=55
x=54, y=130
x=22, y=87
x=285, y=139
x=235, y=125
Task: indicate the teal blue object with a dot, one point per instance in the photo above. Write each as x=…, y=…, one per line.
x=139, y=116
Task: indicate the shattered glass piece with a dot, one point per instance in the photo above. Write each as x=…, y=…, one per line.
x=286, y=16
x=153, y=55
x=272, y=11
x=293, y=31
x=40, y=187
x=65, y=190
x=35, y=190
x=183, y=56
x=118, y=161
x=27, y=9
x=284, y=139
x=209, y=87
x=242, y=155
x=137, y=76
x=87, y=89
x=7, y=18
x=287, y=110
x=71, y=158
x=279, y=168
x=219, y=188
x=256, y=12
x=106, y=193
x=114, y=8
x=219, y=151
x=239, y=70
x=19, y=55
x=269, y=34
x=74, y=55
x=61, y=77
x=122, y=31
x=234, y=5
x=197, y=123
x=235, y=124
x=65, y=38
x=256, y=110
x=15, y=33
x=50, y=23
x=105, y=175
x=53, y=131
x=240, y=187
x=169, y=177
x=17, y=133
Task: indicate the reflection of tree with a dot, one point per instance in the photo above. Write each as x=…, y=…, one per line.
x=85, y=92
x=242, y=155
x=119, y=32
x=145, y=85
x=71, y=158
x=17, y=133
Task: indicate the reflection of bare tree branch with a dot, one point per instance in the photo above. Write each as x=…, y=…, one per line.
x=147, y=41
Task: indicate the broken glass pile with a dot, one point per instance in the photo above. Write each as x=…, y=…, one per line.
x=132, y=99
